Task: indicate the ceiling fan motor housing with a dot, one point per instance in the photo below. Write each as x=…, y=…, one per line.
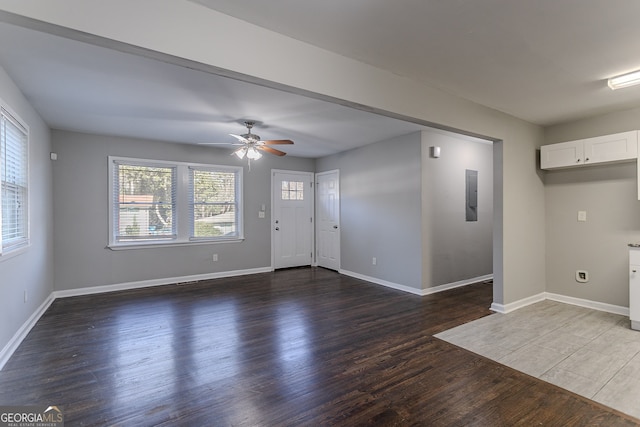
x=251, y=137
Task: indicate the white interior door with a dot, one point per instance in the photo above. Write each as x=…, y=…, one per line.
x=328, y=219
x=292, y=219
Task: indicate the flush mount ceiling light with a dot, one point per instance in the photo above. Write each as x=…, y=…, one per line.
x=624, y=80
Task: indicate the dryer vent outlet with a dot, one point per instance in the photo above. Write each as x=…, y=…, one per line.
x=582, y=276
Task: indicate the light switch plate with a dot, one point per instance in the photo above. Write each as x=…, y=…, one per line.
x=582, y=216
x=260, y=214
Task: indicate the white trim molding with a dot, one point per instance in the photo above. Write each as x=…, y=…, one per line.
x=416, y=291
x=458, y=284
x=157, y=282
x=595, y=305
x=377, y=281
x=508, y=308
x=21, y=334
x=600, y=306
x=24, y=330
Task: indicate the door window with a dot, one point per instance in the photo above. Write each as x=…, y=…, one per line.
x=292, y=190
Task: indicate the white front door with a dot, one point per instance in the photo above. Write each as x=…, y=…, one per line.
x=292, y=219
x=328, y=219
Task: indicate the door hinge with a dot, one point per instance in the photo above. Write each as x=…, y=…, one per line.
x=311, y=219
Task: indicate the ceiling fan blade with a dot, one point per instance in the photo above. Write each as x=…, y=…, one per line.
x=271, y=150
x=220, y=143
x=240, y=138
x=277, y=141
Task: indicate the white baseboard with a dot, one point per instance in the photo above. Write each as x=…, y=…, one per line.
x=157, y=282
x=508, y=308
x=415, y=291
x=377, y=281
x=594, y=305
x=600, y=306
x=21, y=334
x=457, y=284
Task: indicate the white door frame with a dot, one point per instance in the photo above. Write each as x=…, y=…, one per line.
x=312, y=212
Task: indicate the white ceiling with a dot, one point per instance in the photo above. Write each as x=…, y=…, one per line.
x=86, y=88
x=545, y=61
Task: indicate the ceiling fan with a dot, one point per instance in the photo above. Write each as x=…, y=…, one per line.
x=251, y=145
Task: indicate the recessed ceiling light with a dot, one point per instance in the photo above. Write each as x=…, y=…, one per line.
x=625, y=80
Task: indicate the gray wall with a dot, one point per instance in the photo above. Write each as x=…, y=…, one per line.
x=454, y=249
x=31, y=270
x=609, y=195
x=380, y=209
x=81, y=210
x=407, y=210
x=519, y=238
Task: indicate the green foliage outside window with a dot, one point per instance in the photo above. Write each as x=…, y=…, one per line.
x=214, y=203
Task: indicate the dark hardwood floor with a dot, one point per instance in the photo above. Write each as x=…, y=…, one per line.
x=295, y=347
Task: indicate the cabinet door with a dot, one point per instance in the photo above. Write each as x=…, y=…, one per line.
x=634, y=294
x=611, y=148
x=562, y=155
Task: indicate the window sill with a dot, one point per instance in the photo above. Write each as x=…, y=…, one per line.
x=14, y=252
x=150, y=245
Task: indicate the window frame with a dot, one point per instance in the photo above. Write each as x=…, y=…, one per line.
x=6, y=113
x=182, y=220
x=115, y=211
x=237, y=196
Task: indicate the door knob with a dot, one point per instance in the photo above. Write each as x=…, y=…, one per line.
x=335, y=227
x=277, y=228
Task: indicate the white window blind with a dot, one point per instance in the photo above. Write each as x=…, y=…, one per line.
x=14, y=182
x=213, y=203
x=159, y=202
x=144, y=202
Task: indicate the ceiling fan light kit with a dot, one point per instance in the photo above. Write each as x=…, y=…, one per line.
x=624, y=80
x=252, y=146
x=251, y=152
x=240, y=152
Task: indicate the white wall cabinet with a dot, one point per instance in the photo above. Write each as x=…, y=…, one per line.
x=562, y=155
x=602, y=149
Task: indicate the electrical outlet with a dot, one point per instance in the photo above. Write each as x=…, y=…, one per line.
x=215, y=257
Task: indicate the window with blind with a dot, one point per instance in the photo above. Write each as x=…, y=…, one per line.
x=213, y=203
x=145, y=201
x=14, y=183
x=159, y=202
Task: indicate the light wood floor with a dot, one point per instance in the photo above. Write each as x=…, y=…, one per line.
x=589, y=352
x=295, y=347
